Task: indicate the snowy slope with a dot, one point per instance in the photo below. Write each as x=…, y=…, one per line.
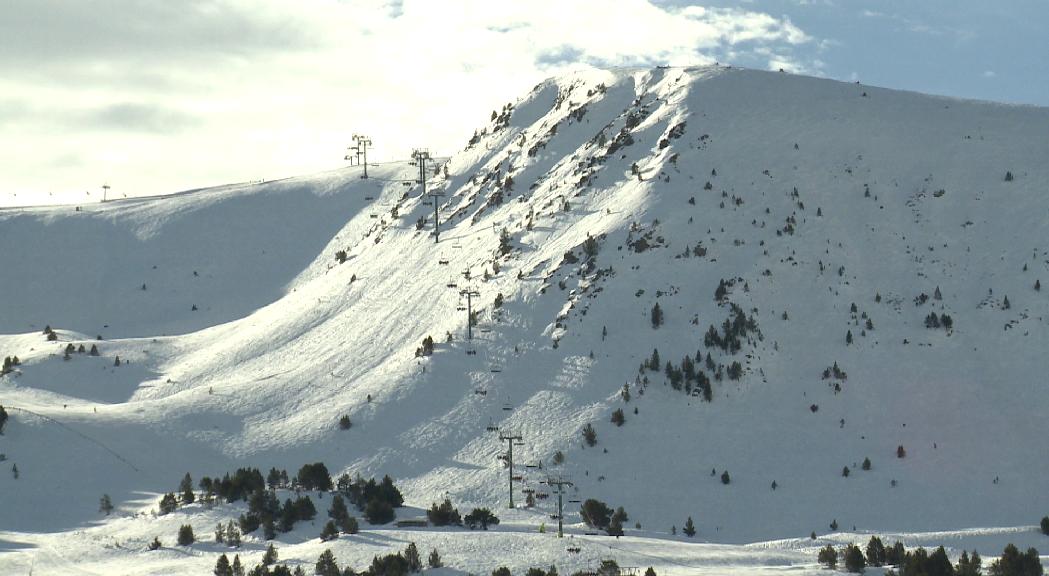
x=896, y=194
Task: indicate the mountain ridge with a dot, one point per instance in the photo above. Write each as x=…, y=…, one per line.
x=821, y=195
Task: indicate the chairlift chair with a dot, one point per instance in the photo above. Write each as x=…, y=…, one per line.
x=507, y=407
x=442, y=259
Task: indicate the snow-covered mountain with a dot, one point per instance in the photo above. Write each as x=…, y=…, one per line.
x=830, y=219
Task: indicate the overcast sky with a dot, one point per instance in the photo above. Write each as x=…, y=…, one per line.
x=156, y=96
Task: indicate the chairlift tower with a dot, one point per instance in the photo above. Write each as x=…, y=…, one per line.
x=511, y=440
x=469, y=293
x=560, y=483
x=420, y=156
x=361, y=149
x=105, y=191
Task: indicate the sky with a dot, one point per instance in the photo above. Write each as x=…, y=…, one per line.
x=155, y=96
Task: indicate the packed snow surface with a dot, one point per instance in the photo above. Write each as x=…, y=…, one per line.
x=243, y=339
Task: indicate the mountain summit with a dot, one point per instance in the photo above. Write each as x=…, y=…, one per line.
x=777, y=301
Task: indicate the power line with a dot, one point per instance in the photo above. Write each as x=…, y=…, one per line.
x=80, y=434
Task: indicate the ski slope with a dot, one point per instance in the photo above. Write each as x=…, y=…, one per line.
x=821, y=194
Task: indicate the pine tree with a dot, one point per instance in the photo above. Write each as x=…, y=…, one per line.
x=845, y=471
x=725, y=479
x=875, y=551
x=105, y=505
x=326, y=565
x=270, y=557
x=848, y=337
x=690, y=528
x=168, y=504
x=650, y=572
x=444, y=514
x=968, y=566
x=854, y=561
x=828, y=556
x=1045, y=525
x=435, y=559
x=866, y=464
x=349, y=525
x=238, y=569
x=222, y=567
x=1005, y=304
x=344, y=423
x=220, y=533
x=338, y=511
x=895, y=554
x=589, y=434
x=186, y=487
x=233, y=535
x=379, y=511
x=330, y=532
x=657, y=316
x=155, y=544
x=595, y=513
x=411, y=554
x=185, y=535
x=617, y=417
x=482, y=517
x=653, y=363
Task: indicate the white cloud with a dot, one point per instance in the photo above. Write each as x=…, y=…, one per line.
x=154, y=100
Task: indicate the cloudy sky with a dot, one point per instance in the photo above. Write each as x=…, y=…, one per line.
x=156, y=96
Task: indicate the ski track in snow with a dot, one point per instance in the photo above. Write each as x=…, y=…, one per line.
x=898, y=194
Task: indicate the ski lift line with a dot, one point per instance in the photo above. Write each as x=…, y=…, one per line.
x=81, y=434
x=662, y=558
